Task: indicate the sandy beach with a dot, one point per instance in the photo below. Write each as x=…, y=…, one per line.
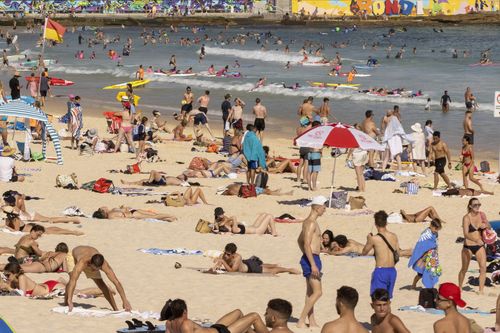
x=150, y=280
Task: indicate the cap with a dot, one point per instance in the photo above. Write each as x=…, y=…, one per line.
x=451, y=292
x=92, y=132
x=218, y=211
x=124, y=98
x=156, y=112
x=319, y=200
x=71, y=96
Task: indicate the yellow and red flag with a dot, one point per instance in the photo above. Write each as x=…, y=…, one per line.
x=54, y=31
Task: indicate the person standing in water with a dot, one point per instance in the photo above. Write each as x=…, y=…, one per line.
x=445, y=102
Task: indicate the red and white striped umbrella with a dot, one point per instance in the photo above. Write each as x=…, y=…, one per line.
x=337, y=135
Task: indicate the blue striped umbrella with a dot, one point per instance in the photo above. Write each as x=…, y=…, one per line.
x=21, y=109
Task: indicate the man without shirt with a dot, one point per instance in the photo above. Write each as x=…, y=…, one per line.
x=449, y=296
x=89, y=261
x=468, y=130
x=309, y=242
x=383, y=321
x=369, y=127
x=307, y=109
x=439, y=152
x=384, y=274
x=260, y=113
x=324, y=111
x=347, y=299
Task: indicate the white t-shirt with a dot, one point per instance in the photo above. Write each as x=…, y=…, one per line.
x=6, y=168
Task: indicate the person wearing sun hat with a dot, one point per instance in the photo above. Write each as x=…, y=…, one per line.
x=7, y=166
x=449, y=297
x=418, y=147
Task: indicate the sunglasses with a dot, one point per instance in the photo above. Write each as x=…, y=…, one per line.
x=476, y=205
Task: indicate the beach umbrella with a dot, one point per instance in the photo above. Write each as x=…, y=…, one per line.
x=336, y=135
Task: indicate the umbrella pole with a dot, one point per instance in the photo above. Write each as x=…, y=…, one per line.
x=333, y=177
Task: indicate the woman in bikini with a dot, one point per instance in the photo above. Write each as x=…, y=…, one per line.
x=14, y=223
x=124, y=212
x=282, y=165
x=429, y=212
x=474, y=222
x=125, y=131
x=50, y=262
x=26, y=248
x=467, y=158
x=158, y=178
x=191, y=196
x=16, y=279
x=264, y=224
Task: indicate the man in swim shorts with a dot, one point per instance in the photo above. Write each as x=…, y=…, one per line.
x=203, y=101
x=445, y=102
x=226, y=109
x=309, y=242
x=439, y=152
x=187, y=102
x=468, y=130
x=89, y=261
x=313, y=164
x=386, y=247
x=260, y=113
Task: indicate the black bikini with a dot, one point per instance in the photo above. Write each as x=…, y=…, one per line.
x=473, y=248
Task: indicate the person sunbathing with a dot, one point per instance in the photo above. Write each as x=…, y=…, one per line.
x=158, y=178
x=281, y=165
x=429, y=212
x=234, y=189
x=16, y=279
x=51, y=262
x=343, y=246
x=27, y=248
x=213, y=172
x=264, y=224
x=124, y=212
x=327, y=241
x=233, y=262
x=14, y=223
x=189, y=197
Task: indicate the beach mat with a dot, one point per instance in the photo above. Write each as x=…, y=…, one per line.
x=418, y=308
x=158, y=329
x=81, y=312
x=169, y=252
x=4, y=327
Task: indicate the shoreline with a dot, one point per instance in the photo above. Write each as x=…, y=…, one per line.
x=244, y=19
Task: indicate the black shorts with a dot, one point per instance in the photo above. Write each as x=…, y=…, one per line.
x=221, y=328
x=254, y=264
x=187, y=107
x=238, y=124
x=14, y=178
x=470, y=136
x=439, y=164
x=260, y=124
x=200, y=118
x=43, y=93
x=468, y=105
x=203, y=109
x=303, y=152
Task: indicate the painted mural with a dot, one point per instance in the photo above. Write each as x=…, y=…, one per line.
x=126, y=6
x=391, y=7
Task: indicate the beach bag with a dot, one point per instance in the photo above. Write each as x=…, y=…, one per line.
x=103, y=185
x=427, y=298
x=357, y=202
x=88, y=186
x=212, y=148
x=134, y=168
x=196, y=164
x=411, y=188
x=203, y=227
x=67, y=181
x=151, y=154
x=489, y=236
x=339, y=199
x=484, y=166
x=175, y=200
x=261, y=180
x=247, y=191
x=394, y=252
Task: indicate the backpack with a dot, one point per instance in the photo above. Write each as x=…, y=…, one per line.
x=427, y=298
x=261, y=180
x=484, y=166
x=67, y=181
x=247, y=191
x=103, y=185
x=339, y=199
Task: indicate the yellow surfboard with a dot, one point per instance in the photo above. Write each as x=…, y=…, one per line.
x=120, y=94
x=321, y=84
x=135, y=84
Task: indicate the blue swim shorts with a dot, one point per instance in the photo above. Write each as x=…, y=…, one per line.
x=383, y=278
x=253, y=165
x=306, y=265
x=314, y=161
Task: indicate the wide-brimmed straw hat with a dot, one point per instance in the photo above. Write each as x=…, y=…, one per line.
x=8, y=151
x=416, y=128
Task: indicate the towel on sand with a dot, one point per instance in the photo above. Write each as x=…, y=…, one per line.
x=418, y=308
x=167, y=252
x=15, y=233
x=81, y=312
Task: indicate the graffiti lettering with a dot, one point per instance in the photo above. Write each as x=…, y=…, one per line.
x=391, y=8
x=378, y=7
x=406, y=7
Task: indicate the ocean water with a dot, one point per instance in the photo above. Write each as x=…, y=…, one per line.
x=431, y=70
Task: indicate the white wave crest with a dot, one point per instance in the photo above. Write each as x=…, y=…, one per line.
x=275, y=56
x=116, y=72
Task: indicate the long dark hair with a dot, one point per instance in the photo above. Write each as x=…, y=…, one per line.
x=330, y=237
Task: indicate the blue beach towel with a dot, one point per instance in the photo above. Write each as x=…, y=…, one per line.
x=169, y=252
x=418, y=308
x=426, y=249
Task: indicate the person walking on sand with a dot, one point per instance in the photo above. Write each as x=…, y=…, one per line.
x=254, y=153
x=467, y=158
x=386, y=246
x=347, y=299
x=309, y=242
x=383, y=321
x=369, y=127
x=260, y=113
x=439, y=153
x=449, y=297
x=89, y=261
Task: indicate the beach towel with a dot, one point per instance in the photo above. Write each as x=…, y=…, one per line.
x=76, y=121
x=418, y=308
x=74, y=211
x=252, y=149
x=168, y=252
x=10, y=232
x=357, y=212
x=81, y=312
x=424, y=259
x=300, y=202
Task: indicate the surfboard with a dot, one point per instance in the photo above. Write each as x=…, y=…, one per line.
x=16, y=57
x=135, y=84
x=364, y=67
x=325, y=84
x=53, y=81
x=345, y=74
